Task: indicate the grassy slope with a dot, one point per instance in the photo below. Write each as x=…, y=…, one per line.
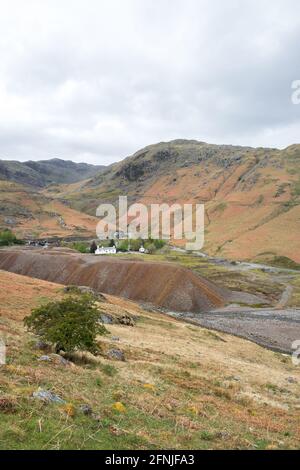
x=250, y=195
x=182, y=386
x=35, y=215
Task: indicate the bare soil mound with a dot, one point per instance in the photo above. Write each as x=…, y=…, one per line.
x=161, y=284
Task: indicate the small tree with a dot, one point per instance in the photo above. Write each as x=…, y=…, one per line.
x=93, y=247
x=69, y=324
x=7, y=237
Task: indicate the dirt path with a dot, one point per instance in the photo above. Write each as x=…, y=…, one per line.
x=285, y=297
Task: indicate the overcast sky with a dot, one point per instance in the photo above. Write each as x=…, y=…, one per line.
x=96, y=80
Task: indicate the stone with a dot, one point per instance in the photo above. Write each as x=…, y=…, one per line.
x=9, y=221
x=84, y=290
x=116, y=354
x=115, y=338
x=106, y=319
x=224, y=435
x=126, y=320
x=42, y=346
x=60, y=360
x=47, y=397
x=44, y=359
x=292, y=380
x=86, y=410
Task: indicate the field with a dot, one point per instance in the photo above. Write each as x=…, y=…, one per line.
x=180, y=387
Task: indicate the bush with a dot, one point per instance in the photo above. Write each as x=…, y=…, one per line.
x=135, y=244
x=150, y=247
x=123, y=245
x=69, y=324
x=7, y=237
x=80, y=246
x=159, y=244
x=93, y=247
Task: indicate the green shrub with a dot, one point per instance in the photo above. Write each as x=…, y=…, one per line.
x=150, y=247
x=69, y=324
x=80, y=246
x=296, y=189
x=7, y=237
x=123, y=245
x=136, y=244
x=159, y=244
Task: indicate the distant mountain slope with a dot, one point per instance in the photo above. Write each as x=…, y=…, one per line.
x=26, y=211
x=42, y=173
x=251, y=195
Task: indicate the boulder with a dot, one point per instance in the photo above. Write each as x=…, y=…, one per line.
x=116, y=354
x=47, y=397
x=86, y=409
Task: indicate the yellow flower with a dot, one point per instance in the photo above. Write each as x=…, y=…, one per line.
x=193, y=410
x=150, y=387
x=69, y=409
x=118, y=406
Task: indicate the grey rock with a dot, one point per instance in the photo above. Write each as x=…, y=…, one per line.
x=10, y=221
x=224, y=435
x=42, y=346
x=115, y=338
x=86, y=410
x=292, y=380
x=116, y=354
x=47, y=397
x=126, y=320
x=84, y=290
x=44, y=359
x=236, y=378
x=106, y=319
x=59, y=360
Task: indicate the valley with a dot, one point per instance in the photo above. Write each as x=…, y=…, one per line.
x=197, y=352
x=259, y=303
x=250, y=194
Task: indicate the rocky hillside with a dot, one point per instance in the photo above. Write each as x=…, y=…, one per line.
x=43, y=173
x=31, y=214
x=251, y=195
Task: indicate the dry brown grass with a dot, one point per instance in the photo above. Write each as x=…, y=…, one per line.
x=180, y=386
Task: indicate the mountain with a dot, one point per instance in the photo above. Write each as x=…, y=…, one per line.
x=45, y=172
x=251, y=195
x=28, y=212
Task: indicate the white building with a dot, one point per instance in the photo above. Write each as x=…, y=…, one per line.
x=106, y=250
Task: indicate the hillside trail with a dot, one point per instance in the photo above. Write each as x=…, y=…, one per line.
x=285, y=297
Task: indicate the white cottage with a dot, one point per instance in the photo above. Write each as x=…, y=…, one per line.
x=106, y=250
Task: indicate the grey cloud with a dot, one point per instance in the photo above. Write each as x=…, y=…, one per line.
x=97, y=80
